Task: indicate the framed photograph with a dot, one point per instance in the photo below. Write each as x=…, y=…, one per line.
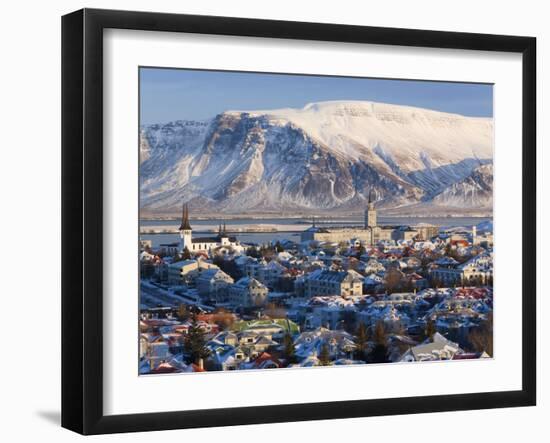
x=269, y=221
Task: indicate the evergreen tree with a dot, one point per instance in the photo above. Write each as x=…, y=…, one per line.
x=183, y=313
x=481, y=338
x=288, y=348
x=324, y=355
x=195, y=342
x=279, y=247
x=380, y=336
x=186, y=255
x=361, y=341
x=430, y=328
x=392, y=280
x=379, y=354
x=252, y=251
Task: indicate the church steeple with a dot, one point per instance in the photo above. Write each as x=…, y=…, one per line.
x=222, y=230
x=370, y=213
x=185, y=218
x=371, y=202
x=185, y=230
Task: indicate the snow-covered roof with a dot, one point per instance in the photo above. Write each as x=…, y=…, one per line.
x=437, y=348
x=334, y=276
x=248, y=282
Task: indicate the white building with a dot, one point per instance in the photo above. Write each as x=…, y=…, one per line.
x=325, y=282
x=339, y=343
x=479, y=268
x=371, y=233
x=267, y=273
x=247, y=293
x=214, y=283
x=186, y=271
x=204, y=244
x=438, y=348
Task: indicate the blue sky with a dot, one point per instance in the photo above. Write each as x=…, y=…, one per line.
x=180, y=94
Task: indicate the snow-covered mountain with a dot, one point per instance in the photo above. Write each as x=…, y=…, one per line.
x=474, y=191
x=326, y=155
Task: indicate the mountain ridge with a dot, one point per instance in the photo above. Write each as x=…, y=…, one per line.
x=326, y=155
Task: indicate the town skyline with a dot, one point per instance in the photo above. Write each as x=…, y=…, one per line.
x=321, y=233
x=243, y=310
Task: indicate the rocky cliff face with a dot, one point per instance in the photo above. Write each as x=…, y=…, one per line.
x=474, y=191
x=324, y=156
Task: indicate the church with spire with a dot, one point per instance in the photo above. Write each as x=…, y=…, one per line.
x=204, y=244
x=371, y=232
x=370, y=213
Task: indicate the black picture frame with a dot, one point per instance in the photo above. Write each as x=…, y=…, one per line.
x=82, y=215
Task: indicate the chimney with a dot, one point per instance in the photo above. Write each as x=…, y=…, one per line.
x=201, y=363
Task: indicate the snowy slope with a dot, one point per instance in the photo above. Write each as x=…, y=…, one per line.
x=326, y=155
x=407, y=135
x=474, y=191
x=165, y=154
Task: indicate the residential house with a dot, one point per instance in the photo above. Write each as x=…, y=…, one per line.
x=325, y=282
x=478, y=268
x=340, y=344
x=186, y=271
x=247, y=293
x=436, y=348
x=213, y=284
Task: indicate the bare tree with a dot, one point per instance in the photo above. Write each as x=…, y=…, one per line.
x=481, y=338
x=393, y=280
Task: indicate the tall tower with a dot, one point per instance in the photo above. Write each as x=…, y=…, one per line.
x=185, y=230
x=370, y=213
x=224, y=238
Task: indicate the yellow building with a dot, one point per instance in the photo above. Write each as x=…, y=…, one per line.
x=371, y=233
